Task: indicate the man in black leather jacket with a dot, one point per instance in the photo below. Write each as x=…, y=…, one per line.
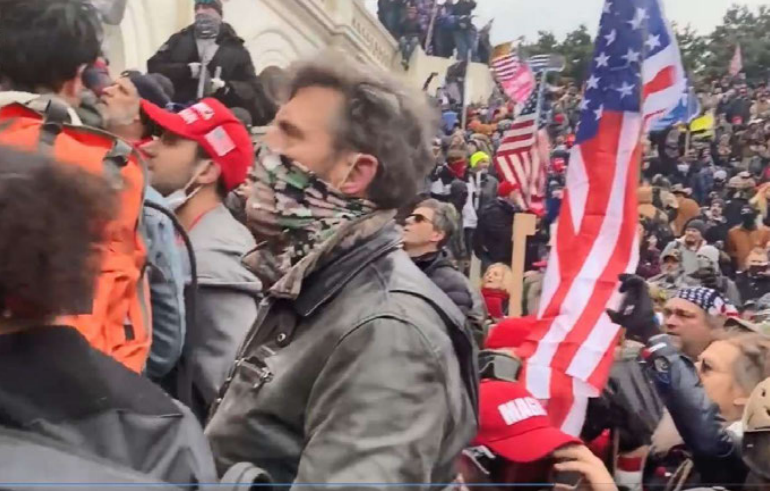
x=358, y=368
x=715, y=451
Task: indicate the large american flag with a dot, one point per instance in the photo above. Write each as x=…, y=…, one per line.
x=524, y=152
x=636, y=75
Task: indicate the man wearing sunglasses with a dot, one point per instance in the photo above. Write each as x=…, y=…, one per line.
x=427, y=230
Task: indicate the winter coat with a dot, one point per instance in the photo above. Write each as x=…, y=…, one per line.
x=688, y=209
x=741, y=241
x=358, y=370
x=56, y=385
x=439, y=268
x=243, y=87
x=227, y=300
x=752, y=288
x=716, y=453
x=494, y=235
x=443, y=273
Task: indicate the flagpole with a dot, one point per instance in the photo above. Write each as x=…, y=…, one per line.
x=431, y=26
x=466, y=92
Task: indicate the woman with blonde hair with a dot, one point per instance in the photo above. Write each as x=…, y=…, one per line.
x=496, y=289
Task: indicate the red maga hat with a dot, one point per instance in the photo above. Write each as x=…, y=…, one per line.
x=215, y=128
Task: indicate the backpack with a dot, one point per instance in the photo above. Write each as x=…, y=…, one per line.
x=117, y=320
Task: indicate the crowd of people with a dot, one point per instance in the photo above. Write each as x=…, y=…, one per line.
x=443, y=28
x=184, y=303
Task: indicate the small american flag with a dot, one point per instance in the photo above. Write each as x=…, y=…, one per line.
x=736, y=64
x=523, y=155
x=636, y=76
x=514, y=76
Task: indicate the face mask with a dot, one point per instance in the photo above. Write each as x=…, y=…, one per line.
x=295, y=210
x=207, y=25
x=683, y=168
x=757, y=270
x=176, y=200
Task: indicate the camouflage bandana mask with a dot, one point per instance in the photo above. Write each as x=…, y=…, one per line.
x=295, y=210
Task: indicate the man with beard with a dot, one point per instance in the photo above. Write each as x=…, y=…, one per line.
x=209, y=59
x=747, y=236
x=671, y=272
x=689, y=245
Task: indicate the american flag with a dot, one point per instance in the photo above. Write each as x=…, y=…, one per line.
x=736, y=64
x=636, y=76
x=524, y=152
x=514, y=76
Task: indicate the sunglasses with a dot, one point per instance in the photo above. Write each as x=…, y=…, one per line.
x=417, y=218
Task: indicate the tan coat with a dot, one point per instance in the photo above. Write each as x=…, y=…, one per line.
x=688, y=209
x=740, y=243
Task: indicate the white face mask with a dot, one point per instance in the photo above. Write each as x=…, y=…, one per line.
x=683, y=168
x=176, y=200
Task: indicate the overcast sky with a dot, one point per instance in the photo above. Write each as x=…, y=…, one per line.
x=514, y=18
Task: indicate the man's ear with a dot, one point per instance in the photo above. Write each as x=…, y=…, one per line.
x=437, y=237
x=741, y=401
x=361, y=176
x=211, y=174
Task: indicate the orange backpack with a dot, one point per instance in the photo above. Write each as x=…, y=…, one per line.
x=118, y=321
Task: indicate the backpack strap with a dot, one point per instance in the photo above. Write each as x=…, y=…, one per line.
x=115, y=160
x=56, y=115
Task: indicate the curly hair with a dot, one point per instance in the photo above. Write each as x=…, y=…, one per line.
x=382, y=118
x=52, y=217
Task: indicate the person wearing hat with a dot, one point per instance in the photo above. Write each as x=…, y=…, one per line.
x=688, y=245
x=709, y=275
x=492, y=241
x=688, y=208
x=209, y=59
x=202, y=154
x=699, y=399
x=671, y=275
x=743, y=238
x=516, y=444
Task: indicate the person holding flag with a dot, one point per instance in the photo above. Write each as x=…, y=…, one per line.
x=636, y=76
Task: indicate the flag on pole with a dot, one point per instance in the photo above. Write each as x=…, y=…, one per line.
x=524, y=151
x=636, y=76
x=736, y=64
x=514, y=76
x=688, y=109
x=552, y=62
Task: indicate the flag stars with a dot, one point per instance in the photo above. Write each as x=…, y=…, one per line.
x=639, y=18
x=611, y=37
x=653, y=42
x=602, y=60
x=593, y=82
x=584, y=104
x=598, y=112
x=632, y=56
x=608, y=7
x=626, y=89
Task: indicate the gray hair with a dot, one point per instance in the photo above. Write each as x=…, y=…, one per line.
x=753, y=363
x=444, y=218
x=381, y=117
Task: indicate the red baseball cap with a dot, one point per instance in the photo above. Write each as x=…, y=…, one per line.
x=215, y=128
x=506, y=188
x=514, y=425
x=511, y=332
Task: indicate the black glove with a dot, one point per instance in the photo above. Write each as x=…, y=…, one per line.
x=635, y=313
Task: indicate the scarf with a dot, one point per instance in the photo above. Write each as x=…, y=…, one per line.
x=295, y=211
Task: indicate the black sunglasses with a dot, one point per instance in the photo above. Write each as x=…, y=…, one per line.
x=417, y=218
